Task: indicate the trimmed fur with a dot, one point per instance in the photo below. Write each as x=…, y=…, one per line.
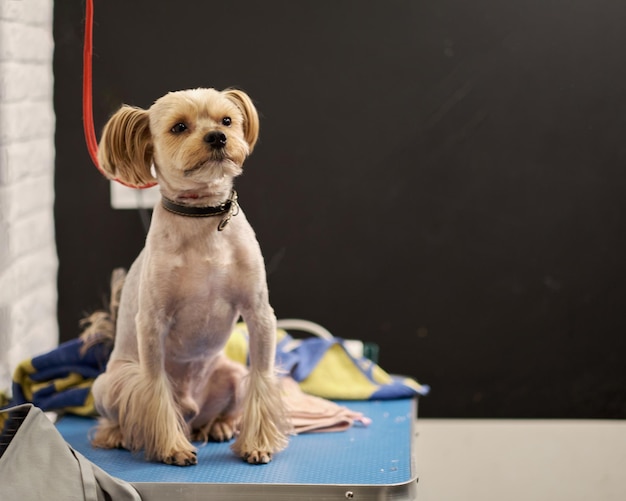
x=263, y=405
x=167, y=381
x=146, y=416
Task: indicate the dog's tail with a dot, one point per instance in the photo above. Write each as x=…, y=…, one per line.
x=99, y=327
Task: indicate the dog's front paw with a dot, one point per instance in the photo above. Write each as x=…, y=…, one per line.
x=182, y=458
x=257, y=457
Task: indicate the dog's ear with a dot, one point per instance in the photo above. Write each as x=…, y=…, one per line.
x=125, y=149
x=251, y=117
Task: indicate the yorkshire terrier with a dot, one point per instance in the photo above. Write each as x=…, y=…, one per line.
x=168, y=382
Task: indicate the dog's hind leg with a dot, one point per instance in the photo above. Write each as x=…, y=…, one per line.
x=220, y=402
x=107, y=435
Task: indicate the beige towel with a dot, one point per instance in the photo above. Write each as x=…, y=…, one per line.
x=309, y=413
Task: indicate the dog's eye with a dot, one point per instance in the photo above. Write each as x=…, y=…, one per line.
x=226, y=121
x=178, y=128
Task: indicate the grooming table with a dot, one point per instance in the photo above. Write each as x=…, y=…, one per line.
x=376, y=462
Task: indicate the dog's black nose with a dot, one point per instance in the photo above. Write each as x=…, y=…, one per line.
x=216, y=139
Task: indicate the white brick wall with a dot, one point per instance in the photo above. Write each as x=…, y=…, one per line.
x=28, y=259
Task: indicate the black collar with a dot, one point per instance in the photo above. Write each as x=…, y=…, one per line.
x=230, y=207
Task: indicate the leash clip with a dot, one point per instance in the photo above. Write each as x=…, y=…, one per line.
x=233, y=211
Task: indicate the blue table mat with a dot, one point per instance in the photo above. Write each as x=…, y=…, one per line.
x=379, y=454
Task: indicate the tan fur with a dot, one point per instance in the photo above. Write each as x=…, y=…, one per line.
x=251, y=124
x=99, y=327
x=167, y=381
x=125, y=150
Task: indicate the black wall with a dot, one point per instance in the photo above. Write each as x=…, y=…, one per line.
x=445, y=179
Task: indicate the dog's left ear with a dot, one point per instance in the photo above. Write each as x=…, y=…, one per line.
x=251, y=117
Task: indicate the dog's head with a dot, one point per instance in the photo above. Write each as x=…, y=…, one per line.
x=192, y=137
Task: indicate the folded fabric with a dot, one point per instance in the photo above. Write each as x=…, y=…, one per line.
x=61, y=379
x=326, y=368
x=309, y=413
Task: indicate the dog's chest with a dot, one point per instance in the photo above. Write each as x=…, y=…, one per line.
x=205, y=292
x=202, y=279
x=201, y=314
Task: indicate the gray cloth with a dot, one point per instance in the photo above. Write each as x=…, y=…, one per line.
x=37, y=464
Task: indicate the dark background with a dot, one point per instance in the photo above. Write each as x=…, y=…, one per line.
x=445, y=179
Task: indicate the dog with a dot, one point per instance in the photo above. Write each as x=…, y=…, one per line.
x=167, y=382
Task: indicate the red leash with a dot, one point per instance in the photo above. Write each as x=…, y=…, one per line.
x=88, y=127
